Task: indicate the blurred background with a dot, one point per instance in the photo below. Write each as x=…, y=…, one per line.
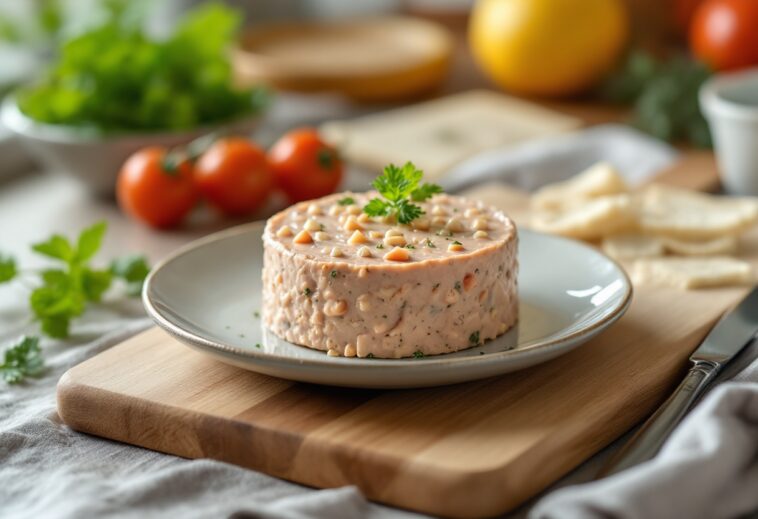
x=87, y=83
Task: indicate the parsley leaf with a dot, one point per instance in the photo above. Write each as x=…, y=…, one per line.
x=400, y=187
x=407, y=212
x=22, y=360
x=377, y=207
x=8, y=269
x=346, y=201
x=425, y=192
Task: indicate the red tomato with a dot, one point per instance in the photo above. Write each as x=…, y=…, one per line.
x=682, y=13
x=724, y=33
x=154, y=192
x=305, y=166
x=234, y=175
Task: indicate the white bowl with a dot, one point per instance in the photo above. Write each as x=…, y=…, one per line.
x=94, y=157
x=730, y=104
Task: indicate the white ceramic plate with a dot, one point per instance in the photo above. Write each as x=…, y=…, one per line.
x=208, y=295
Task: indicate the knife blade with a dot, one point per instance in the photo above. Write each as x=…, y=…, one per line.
x=732, y=333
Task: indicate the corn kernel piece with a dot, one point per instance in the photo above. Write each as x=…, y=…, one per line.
x=357, y=238
x=335, y=210
x=439, y=221
x=480, y=224
x=351, y=224
x=336, y=252
x=393, y=232
x=284, y=231
x=353, y=209
x=322, y=236
x=480, y=235
x=454, y=225
x=332, y=353
x=471, y=211
x=455, y=247
x=376, y=234
x=364, y=252
x=363, y=218
x=439, y=211
x=422, y=224
x=350, y=351
x=303, y=237
x=312, y=225
x=395, y=241
x=314, y=209
x=398, y=254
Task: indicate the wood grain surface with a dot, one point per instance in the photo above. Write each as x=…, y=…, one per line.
x=469, y=450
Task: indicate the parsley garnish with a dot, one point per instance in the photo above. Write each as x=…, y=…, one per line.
x=474, y=337
x=346, y=201
x=400, y=188
x=456, y=242
x=430, y=243
x=457, y=286
x=66, y=288
x=370, y=356
x=410, y=246
x=22, y=360
x=333, y=274
x=380, y=245
x=307, y=292
x=258, y=345
x=256, y=314
x=418, y=354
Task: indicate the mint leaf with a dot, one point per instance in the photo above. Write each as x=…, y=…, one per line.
x=56, y=326
x=89, y=241
x=22, y=360
x=133, y=269
x=8, y=269
x=56, y=302
x=56, y=247
x=377, y=207
x=95, y=283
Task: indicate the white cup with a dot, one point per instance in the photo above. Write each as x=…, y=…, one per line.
x=730, y=104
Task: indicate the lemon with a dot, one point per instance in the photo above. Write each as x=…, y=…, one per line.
x=547, y=47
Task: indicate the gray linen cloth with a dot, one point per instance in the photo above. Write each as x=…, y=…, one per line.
x=48, y=470
x=707, y=469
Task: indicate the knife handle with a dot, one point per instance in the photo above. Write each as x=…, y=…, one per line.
x=648, y=440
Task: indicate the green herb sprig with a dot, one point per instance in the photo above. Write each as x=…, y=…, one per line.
x=63, y=291
x=664, y=93
x=23, y=359
x=399, y=188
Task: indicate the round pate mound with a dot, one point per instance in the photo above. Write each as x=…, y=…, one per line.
x=337, y=280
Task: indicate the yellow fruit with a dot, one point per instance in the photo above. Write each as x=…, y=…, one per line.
x=547, y=47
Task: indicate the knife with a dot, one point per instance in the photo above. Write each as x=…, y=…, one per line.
x=732, y=333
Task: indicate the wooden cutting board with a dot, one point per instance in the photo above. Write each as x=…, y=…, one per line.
x=474, y=449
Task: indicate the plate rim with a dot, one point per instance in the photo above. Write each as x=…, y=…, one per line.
x=432, y=361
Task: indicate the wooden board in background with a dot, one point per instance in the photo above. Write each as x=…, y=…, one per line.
x=469, y=450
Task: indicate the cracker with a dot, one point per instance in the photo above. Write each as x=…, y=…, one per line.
x=725, y=245
x=438, y=134
x=690, y=216
x=598, y=180
x=593, y=220
x=633, y=246
x=692, y=273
